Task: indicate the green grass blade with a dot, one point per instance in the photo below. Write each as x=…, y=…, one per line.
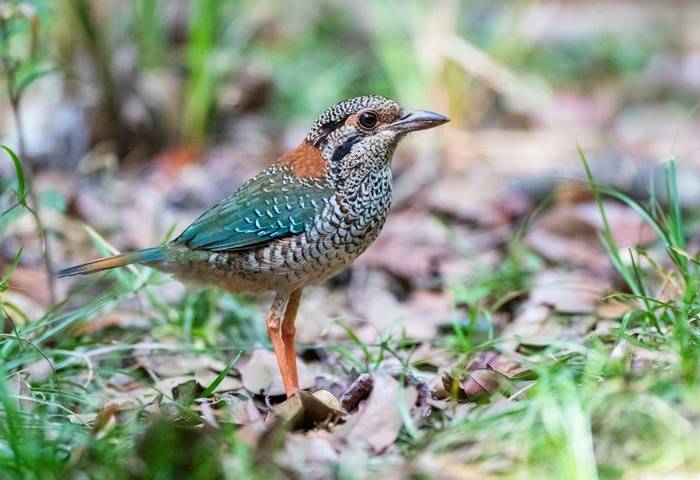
x=21, y=181
x=220, y=377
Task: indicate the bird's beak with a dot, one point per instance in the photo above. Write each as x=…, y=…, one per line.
x=412, y=120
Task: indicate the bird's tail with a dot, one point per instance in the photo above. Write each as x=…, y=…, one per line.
x=146, y=256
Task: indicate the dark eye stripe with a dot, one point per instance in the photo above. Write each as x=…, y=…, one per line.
x=344, y=148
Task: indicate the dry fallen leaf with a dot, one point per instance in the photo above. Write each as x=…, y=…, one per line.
x=358, y=391
x=177, y=364
x=168, y=385
x=261, y=375
x=105, y=419
x=240, y=411
x=19, y=388
x=377, y=423
x=567, y=291
x=311, y=453
x=481, y=383
x=536, y=324
x=205, y=377
x=134, y=398
x=569, y=231
x=185, y=393
x=418, y=317
x=39, y=370
x=122, y=320
x=304, y=410
x=32, y=282
x=627, y=226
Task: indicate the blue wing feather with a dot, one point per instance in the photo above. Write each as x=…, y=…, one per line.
x=271, y=205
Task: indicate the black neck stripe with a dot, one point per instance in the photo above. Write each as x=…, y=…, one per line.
x=344, y=148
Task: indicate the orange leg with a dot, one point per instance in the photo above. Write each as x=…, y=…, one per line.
x=289, y=330
x=274, y=329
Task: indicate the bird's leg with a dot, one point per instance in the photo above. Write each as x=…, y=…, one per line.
x=289, y=330
x=274, y=329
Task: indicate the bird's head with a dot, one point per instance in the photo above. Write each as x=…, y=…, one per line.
x=354, y=138
x=368, y=126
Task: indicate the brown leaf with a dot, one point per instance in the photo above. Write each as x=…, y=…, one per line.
x=424, y=393
x=560, y=248
x=241, y=411
x=378, y=422
x=487, y=372
x=535, y=324
x=228, y=383
x=133, y=398
x=627, y=226
x=612, y=309
x=481, y=383
x=311, y=454
x=497, y=362
x=304, y=410
x=318, y=311
x=114, y=319
x=569, y=231
x=260, y=374
x=32, y=282
x=185, y=393
x=167, y=385
x=567, y=291
x=417, y=318
x=208, y=414
x=105, y=418
x=17, y=386
x=177, y=364
x=358, y=391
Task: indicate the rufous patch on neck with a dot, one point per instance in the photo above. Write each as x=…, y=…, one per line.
x=305, y=161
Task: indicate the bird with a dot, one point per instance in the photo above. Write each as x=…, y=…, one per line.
x=300, y=221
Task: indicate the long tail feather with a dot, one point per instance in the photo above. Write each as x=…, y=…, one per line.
x=149, y=255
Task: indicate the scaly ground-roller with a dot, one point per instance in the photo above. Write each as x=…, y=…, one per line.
x=302, y=220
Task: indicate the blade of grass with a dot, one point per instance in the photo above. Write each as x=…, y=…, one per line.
x=359, y=343
x=21, y=182
x=220, y=377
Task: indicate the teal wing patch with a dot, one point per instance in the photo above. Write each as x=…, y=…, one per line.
x=270, y=205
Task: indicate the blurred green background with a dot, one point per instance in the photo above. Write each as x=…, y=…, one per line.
x=152, y=73
x=131, y=117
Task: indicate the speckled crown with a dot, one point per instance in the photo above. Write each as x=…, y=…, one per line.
x=337, y=114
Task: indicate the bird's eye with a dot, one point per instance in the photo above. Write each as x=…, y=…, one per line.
x=368, y=120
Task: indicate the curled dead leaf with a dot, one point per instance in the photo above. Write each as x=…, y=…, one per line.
x=378, y=421
x=358, y=391
x=304, y=410
x=476, y=385
x=481, y=383
x=105, y=418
